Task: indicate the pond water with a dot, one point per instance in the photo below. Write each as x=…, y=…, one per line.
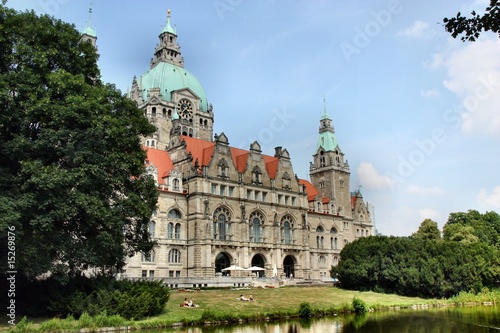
x=480, y=319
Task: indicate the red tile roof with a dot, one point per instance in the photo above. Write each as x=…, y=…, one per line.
x=311, y=191
x=161, y=160
x=240, y=158
x=353, y=201
x=201, y=150
x=271, y=165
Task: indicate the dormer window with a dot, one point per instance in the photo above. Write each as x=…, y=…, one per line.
x=175, y=184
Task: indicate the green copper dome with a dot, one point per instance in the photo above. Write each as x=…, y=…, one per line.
x=326, y=141
x=89, y=31
x=168, y=78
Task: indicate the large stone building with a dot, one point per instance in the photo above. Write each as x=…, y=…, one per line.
x=221, y=205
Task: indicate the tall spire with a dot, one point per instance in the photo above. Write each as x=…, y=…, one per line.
x=89, y=34
x=168, y=28
x=168, y=50
x=326, y=131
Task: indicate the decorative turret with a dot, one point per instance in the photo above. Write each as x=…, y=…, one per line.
x=168, y=50
x=329, y=171
x=89, y=34
x=170, y=96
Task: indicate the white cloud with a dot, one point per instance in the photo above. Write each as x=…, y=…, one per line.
x=417, y=29
x=370, y=178
x=429, y=93
x=492, y=199
x=473, y=74
x=424, y=191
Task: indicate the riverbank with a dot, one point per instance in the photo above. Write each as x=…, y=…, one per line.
x=270, y=303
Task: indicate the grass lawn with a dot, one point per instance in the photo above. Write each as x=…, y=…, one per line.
x=285, y=299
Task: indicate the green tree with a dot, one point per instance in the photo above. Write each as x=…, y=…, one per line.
x=459, y=233
x=428, y=230
x=417, y=267
x=72, y=184
x=485, y=227
x=474, y=26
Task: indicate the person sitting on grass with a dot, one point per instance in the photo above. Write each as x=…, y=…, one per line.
x=250, y=298
x=191, y=304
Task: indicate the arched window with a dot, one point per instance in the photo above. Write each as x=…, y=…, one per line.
x=170, y=230
x=174, y=214
x=174, y=256
x=287, y=230
x=151, y=229
x=153, y=112
x=335, y=261
x=333, y=243
x=322, y=159
x=322, y=261
x=320, y=229
x=333, y=230
x=148, y=256
x=177, y=231
x=256, y=226
x=222, y=168
x=256, y=175
x=221, y=223
x=175, y=184
x=319, y=242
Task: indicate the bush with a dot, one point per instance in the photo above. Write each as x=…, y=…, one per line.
x=305, y=310
x=84, y=297
x=359, y=305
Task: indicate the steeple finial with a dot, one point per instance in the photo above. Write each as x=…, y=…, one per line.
x=324, y=104
x=88, y=33
x=168, y=28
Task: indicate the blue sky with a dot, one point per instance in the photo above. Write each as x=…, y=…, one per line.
x=415, y=111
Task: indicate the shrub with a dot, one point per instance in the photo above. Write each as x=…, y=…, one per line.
x=100, y=295
x=305, y=310
x=359, y=305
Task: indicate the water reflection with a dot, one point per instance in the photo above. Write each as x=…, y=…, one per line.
x=442, y=320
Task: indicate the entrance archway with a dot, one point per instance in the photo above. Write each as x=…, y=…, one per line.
x=289, y=266
x=258, y=261
x=222, y=261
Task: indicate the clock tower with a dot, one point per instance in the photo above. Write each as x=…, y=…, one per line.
x=169, y=92
x=330, y=173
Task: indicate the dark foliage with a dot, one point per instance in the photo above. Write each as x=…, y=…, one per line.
x=417, y=267
x=471, y=28
x=72, y=188
x=129, y=299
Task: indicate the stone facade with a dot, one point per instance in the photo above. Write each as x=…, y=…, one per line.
x=220, y=205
